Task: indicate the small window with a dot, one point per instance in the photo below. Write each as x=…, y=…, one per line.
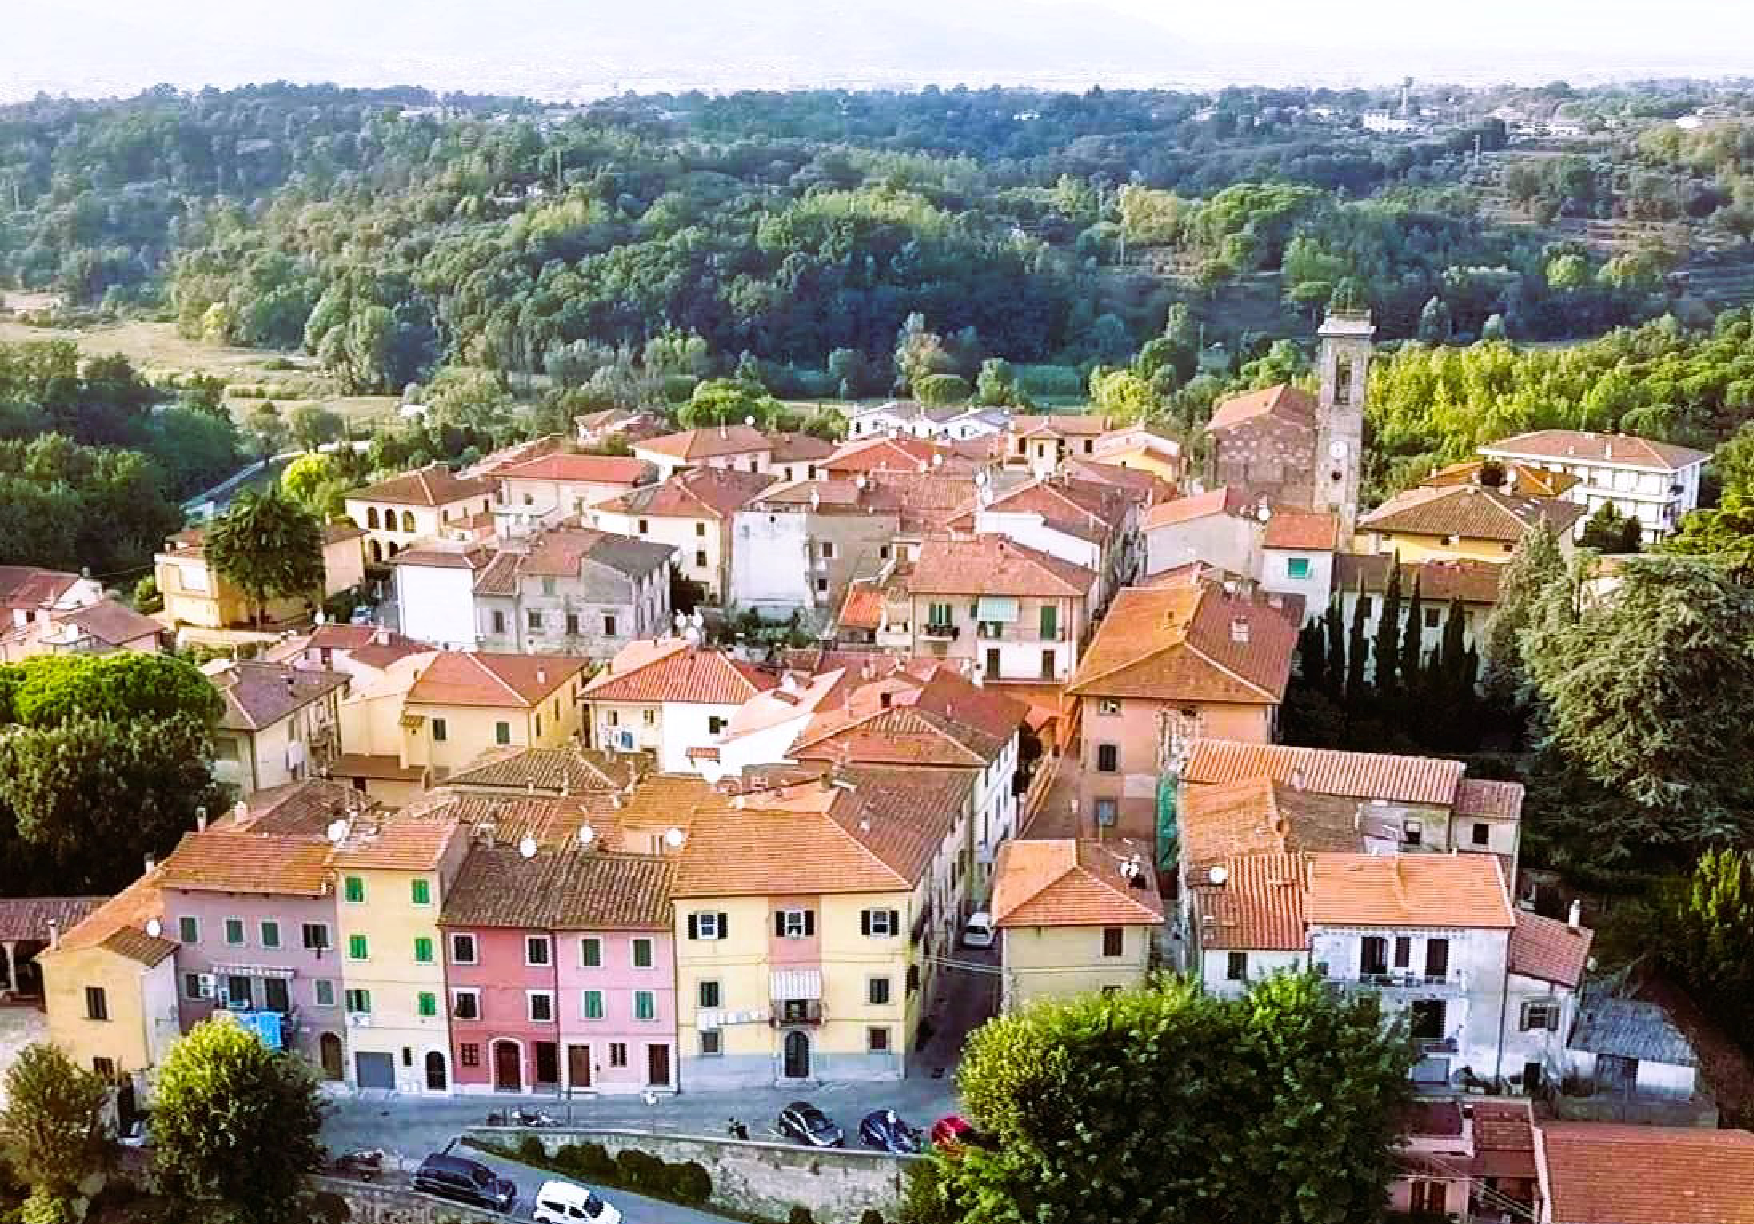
x=1236, y=967
x=548, y=586
x=572, y=624
x=1108, y=758
x=1114, y=941
x=354, y=890
x=711, y=1043
x=438, y=730
x=358, y=948
x=1540, y=1015
x=794, y=923
x=533, y=620
x=700, y=558
x=709, y=994
x=644, y=526
x=822, y=586
x=877, y=991
x=1433, y=617
x=1403, y=951
x=315, y=936
x=877, y=1040
x=541, y=1006
x=715, y=724
x=880, y=923
x=1297, y=567
x=536, y=950
x=420, y=891
x=707, y=926
x=699, y=528
x=469, y=1054
x=234, y=932
x=270, y=934
x=591, y=1005
x=590, y=952
x=422, y=950
x=359, y=1002
x=1108, y=813
x=645, y=1005
x=1108, y=706
x=466, y=1004
x=463, y=949
x=97, y=1004
x=189, y=930
x=1481, y=834
x=642, y=953
x=499, y=622
x=325, y=992
x=1412, y=832
x=427, y=1004
x=103, y=1068
x=608, y=625
x=502, y=732
x=192, y=986
x=649, y=717
x=618, y=1054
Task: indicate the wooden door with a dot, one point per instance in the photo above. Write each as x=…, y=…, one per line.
x=508, y=1075
x=658, y=1066
x=329, y=1053
x=797, y=1055
x=578, y=1066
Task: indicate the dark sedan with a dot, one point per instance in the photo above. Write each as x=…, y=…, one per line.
x=803, y=1123
x=885, y=1130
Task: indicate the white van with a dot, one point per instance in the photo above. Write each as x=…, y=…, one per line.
x=979, y=931
x=559, y=1202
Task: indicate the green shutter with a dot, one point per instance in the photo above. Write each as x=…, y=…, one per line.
x=354, y=889
x=423, y=950
x=421, y=890
x=644, y=1005
x=270, y=934
x=1050, y=621
x=591, y=953
x=357, y=948
x=593, y=1004
x=428, y=1003
x=642, y=954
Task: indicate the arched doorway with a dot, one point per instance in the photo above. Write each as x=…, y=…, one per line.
x=508, y=1073
x=329, y=1054
x=436, y=1080
x=797, y=1055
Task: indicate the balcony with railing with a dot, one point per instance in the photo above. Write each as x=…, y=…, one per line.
x=796, y=1011
x=1398, y=980
x=940, y=630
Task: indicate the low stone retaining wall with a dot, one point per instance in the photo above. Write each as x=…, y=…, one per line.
x=375, y=1203
x=753, y=1177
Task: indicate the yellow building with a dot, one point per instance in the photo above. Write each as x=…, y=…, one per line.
x=391, y=873
x=466, y=703
x=374, y=743
x=1460, y=522
x=110, y=985
x=1142, y=449
x=1073, y=917
x=807, y=918
x=196, y=594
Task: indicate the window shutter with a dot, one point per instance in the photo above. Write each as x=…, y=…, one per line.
x=1553, y=1017
x=724, y=925
x=895, y=922
x=1523, y=1020
x=694, y=926
x=809, y=923
x=864, y=922
x=779, y=922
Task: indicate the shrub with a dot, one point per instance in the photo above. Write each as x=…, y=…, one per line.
x=871, y=1216
x=570, y=1158
x=596, y=1163
x=691, y=1183
x=800, y=1215
x=531, y=1151
x=636, y=1169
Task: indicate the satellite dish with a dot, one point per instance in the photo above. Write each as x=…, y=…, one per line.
x=980, y=478
x=749, y=421
x=1216, y=876
x=587, y=835
x=674, y=838
x=337, y=830
x=321, y=617
x=527, y=846
x=154, y=927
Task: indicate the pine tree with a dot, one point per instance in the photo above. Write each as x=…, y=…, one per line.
x=1356, y=647
x=1388, y=632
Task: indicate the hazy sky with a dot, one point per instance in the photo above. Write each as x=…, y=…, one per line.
x=561, y=47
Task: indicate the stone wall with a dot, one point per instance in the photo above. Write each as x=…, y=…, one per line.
x=764, y=1179
x=398, y=1204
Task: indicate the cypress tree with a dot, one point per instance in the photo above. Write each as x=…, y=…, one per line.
x=1312, y=655
x=1356, y=647
x=1388, y=632
x=1334, y=681
x=1412, y=661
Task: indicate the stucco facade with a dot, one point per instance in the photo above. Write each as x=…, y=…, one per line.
x=139, y=1018
x=1056, y=962
x=445, y=737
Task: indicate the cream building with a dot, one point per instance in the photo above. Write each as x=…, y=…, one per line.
x=465, y=704
x=416, y=505
x=692, y=512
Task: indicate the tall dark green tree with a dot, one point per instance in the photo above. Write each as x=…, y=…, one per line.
x=1609, y=531
x=1387, y=649
x=269, y=545
x=1334, y=677
x=1535, y=566
x=1412, y=644
x=1357, y=650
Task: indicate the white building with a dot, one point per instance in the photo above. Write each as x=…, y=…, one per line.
x=1297, y=557
x=1653, y=482
x=668, y=697
x=435, y=591
x=1222, y=529
x=1548, y=959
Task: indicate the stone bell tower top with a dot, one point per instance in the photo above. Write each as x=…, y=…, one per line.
x=1343, y=363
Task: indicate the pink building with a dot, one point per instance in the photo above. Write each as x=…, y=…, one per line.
x=560, y=972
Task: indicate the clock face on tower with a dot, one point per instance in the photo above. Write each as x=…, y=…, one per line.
x=1337, y=448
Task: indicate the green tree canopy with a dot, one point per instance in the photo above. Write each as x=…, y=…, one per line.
x=726, y=401
x=938, y=390
x=1726, y=531
x=1535, y=566
x=267, y=544
x=236, y=1122
x=1609, y=531
x=50, y=690
x=52, y=1128
x=1167, y=1104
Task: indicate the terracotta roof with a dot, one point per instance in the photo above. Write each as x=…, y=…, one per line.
x=433, y=485
x=1082, y=505
x=585, y=469
x=995, y=565
x=799, y=448
x=296, y=809
x=500, y=577
x=939, y=718
x=1181, y=644
x=1469, y=512
x=473, y=678
x=112, y=623
x=1418, y=890
x=1304, y=529
x=1284, y=401
x=1520, y=479
x=382, y=766
x=552, y=771
x=559, y=890
x=1260, y=816
x=447, y=554
x=1135, y=480
x=1364, y=775
x=560, y=551
x=1258, y=907
x=28, y=918
x=1489, y=797
x=231, y=860
x=923, y=502
x=1061, y=424
x=892, y=454
x=123, y=918
x=1621, y=449
x=1609, y=1174
x=1548, y=949
x=409, y=840
x=258, y=695
x=708, y=443
x=505, y=820
x=137, y=945
x=1073, y=883
x=1504, y=1140
x=29, y=588
x=1470, y=581
x=695, y=493
x=352, y=638
x=674, y=670
x=1226, y=500
x=863, y=608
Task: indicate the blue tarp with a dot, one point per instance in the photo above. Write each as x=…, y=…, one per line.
x=266, y=1026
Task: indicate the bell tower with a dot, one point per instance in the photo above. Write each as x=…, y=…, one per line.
x=1343, y=362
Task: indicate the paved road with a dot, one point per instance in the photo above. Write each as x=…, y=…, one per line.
x=634, y=1208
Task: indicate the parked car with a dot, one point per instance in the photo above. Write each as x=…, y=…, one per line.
x=884, y=1130
x=559, y=1202
x=978, y=933
x=466, y=1181
x=803, y=1123
x=362, y=615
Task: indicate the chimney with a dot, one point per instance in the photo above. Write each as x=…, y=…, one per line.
x=380, y=637
x=54, y=934
x=541, y=675
x=201, y=820
x=1239, y=629
x=1574, y=918
x=151, y=864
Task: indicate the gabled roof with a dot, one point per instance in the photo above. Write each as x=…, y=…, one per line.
x=573, y=769
x=257, y=695
x=233, y=860
x=353, y=638
x=1462, y=578
x=995, y=565
x=923, y=713
x=1489, y=797
x=709, y=493
x=672, y=669
x=119, y=924
x=799, y=448
x=583, y=469
x=1259, y=906
x=1362, y=775
x=1629, y=1028
x=559, y=890
x=27, y=587
x=1084, y=506
x=1060, y=425
x=1610, y=1174
x=697, y=444
x=1520, y=479
x=1141, y=483
x=447, y=554
x=111, y=622
x=1177, y=644
x=305, y=808
x=1067, y=882
x=900, y=735
x=474, y=678
x=923, y=502
x=1409, y=890
x=906, y=454
x=30, y=918
x=1469, y=512
x=1549, y=950
x=560, y=552
x=1284, y=401
x=1311, y=530
x=433, y=485
x=1225, y=500
x=863, y=607
x=554, y=821
x=1622, y=450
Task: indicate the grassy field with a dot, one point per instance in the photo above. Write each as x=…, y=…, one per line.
x=159, y=352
